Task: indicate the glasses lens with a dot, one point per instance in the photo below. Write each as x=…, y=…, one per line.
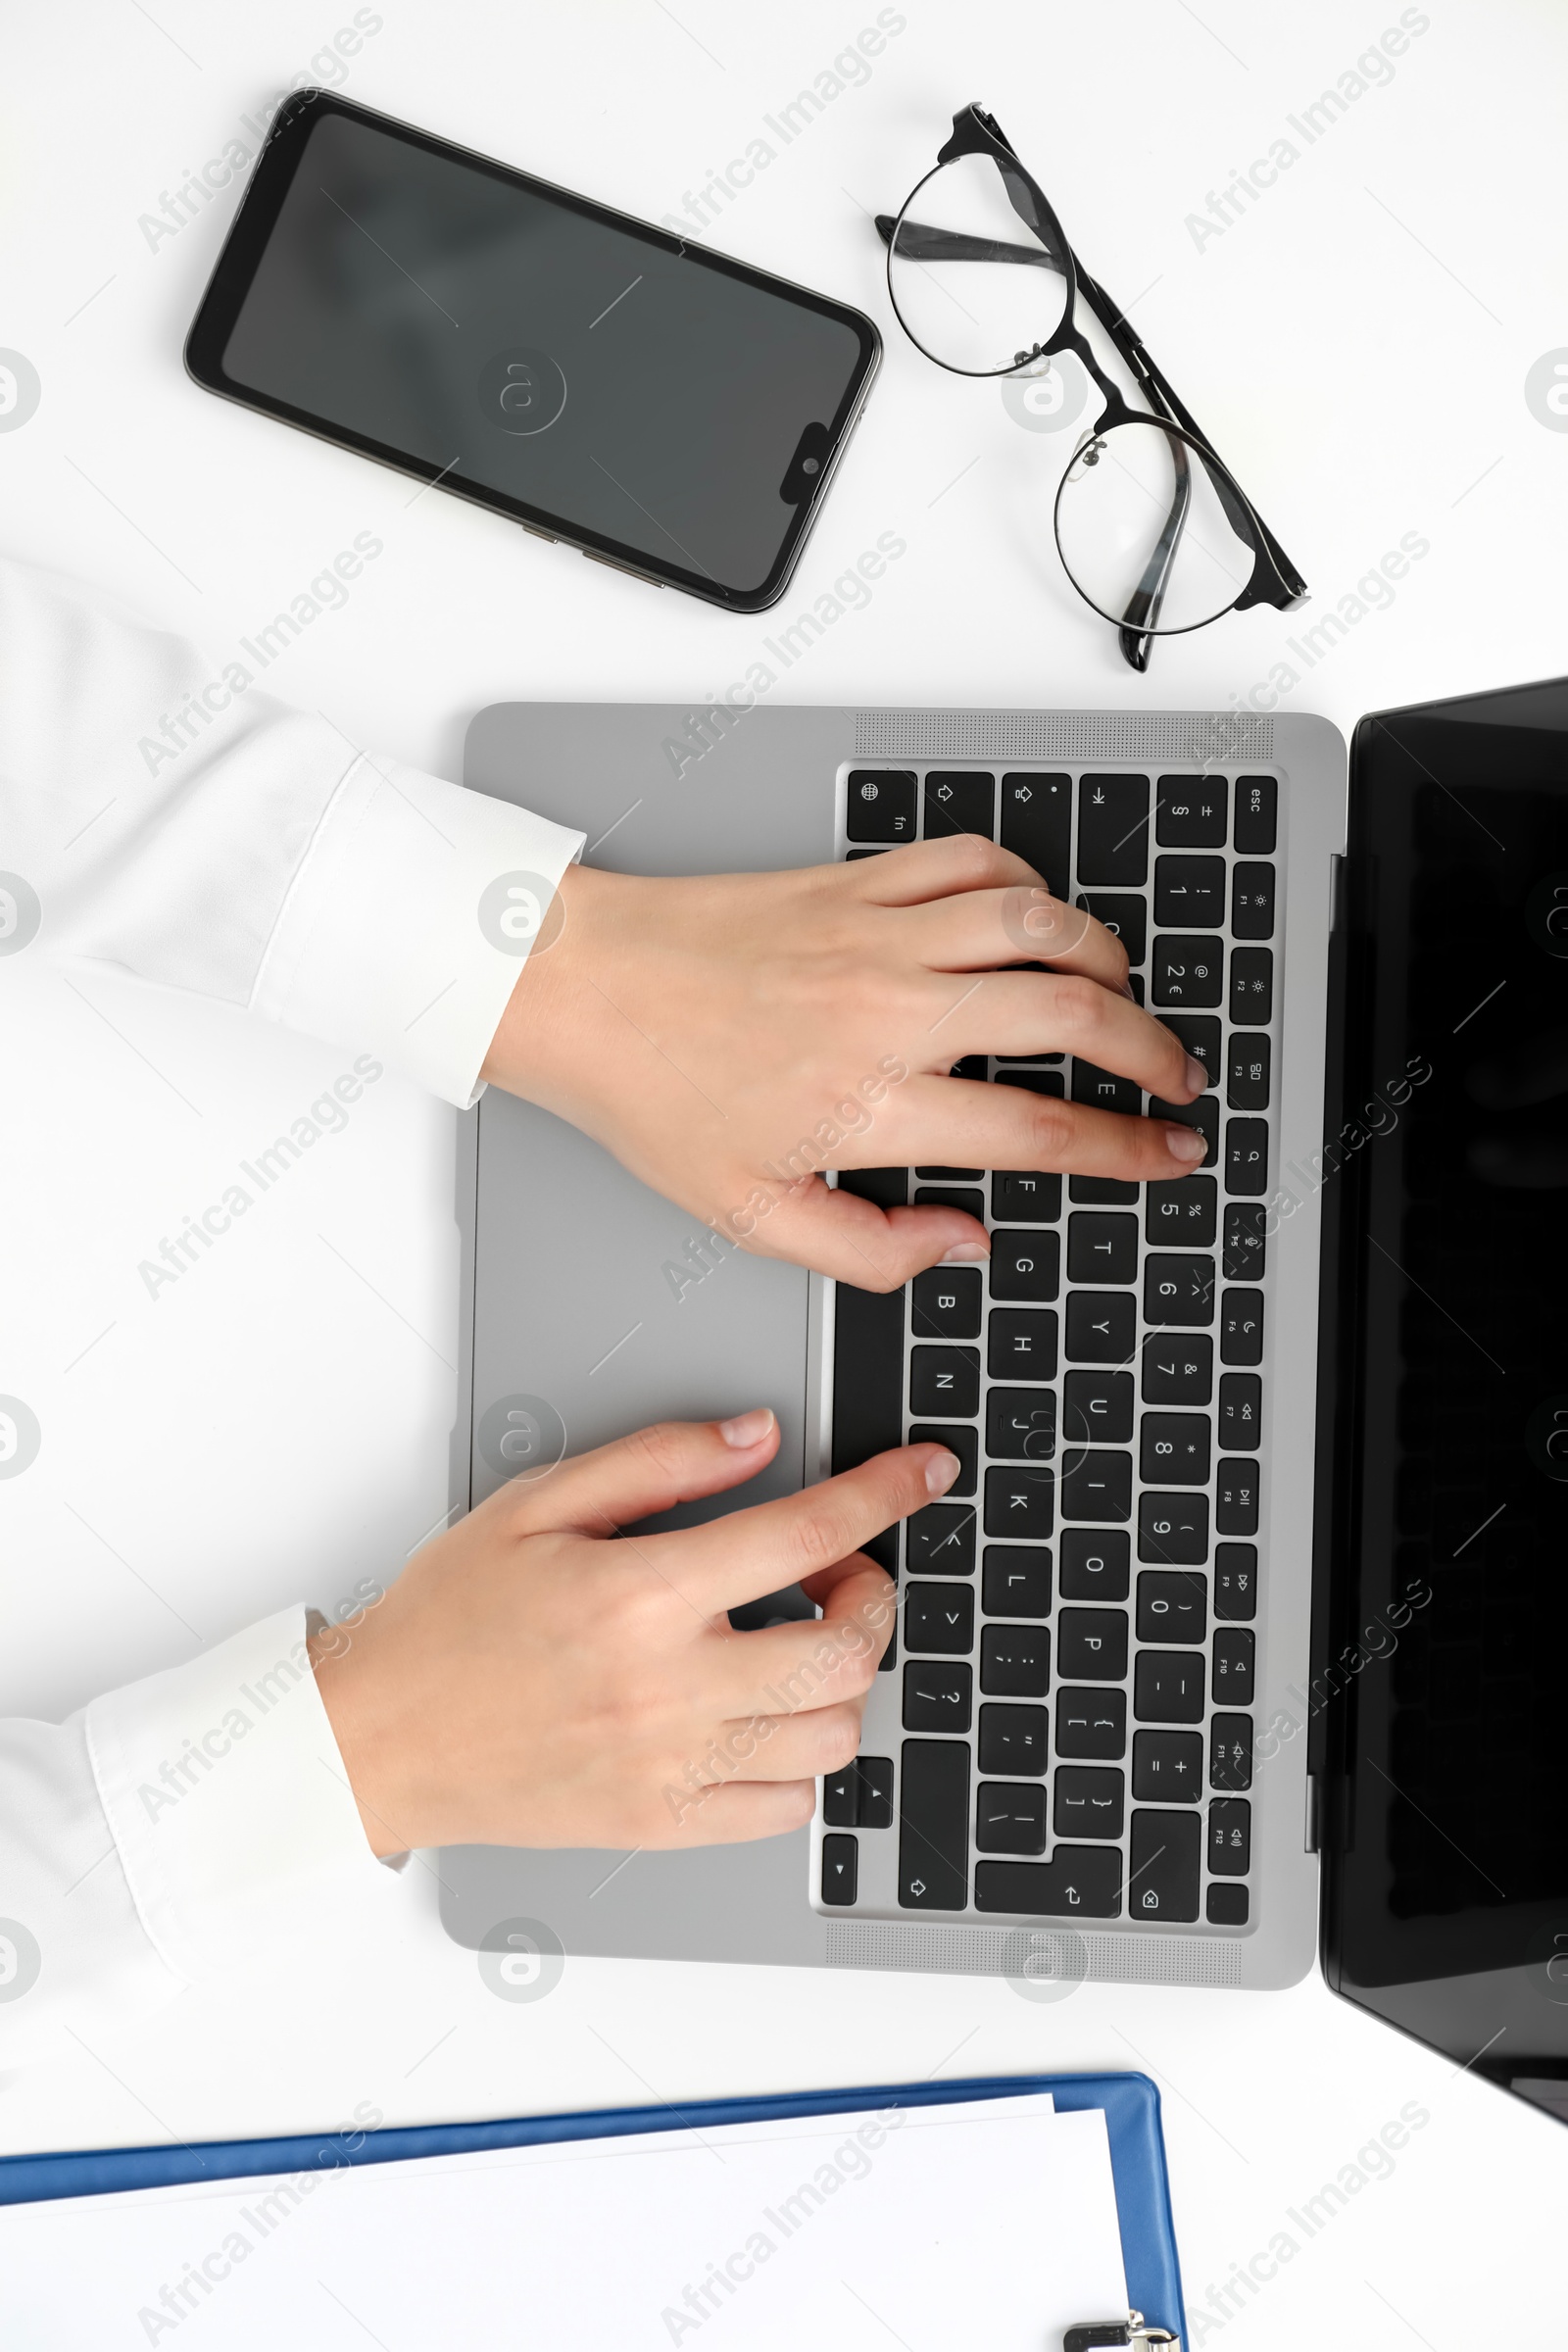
x=1146, y=533
x=972, y=282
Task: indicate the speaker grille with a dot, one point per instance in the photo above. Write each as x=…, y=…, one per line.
x=977, y=1951
x=1185, y=738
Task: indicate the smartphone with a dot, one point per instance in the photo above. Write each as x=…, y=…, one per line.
x=656, y=406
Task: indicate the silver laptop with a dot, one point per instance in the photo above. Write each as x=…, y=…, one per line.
x=1058, y=1765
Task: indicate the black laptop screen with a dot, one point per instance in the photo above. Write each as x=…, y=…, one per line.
x=1447, y=1880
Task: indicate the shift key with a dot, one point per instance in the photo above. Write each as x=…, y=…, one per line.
x=934, y=1824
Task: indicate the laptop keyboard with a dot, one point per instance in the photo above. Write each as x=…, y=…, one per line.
x=1064, y=1726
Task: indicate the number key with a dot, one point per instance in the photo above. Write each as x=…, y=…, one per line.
x=1188, y=973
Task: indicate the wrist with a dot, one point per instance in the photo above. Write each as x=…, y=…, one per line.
x=352, y=1692
x=540, y=1037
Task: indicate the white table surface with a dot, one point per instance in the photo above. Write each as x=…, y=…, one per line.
x=1358, y=344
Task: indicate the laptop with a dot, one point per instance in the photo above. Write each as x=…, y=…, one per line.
x=1244, y=1629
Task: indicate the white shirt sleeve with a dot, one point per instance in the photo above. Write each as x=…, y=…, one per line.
x=170, y=820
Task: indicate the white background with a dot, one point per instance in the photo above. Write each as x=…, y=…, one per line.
x=1356, y=345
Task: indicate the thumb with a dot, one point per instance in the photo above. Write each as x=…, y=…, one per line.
x=673, y=1461
x=837, y=1232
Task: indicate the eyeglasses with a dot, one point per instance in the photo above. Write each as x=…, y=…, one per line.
x=1154, y=532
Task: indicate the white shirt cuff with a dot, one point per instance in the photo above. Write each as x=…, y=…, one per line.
x=408, y=920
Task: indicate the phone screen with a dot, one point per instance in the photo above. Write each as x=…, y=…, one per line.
x=667, y=406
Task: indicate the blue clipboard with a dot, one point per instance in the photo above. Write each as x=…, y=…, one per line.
x=1131, y=2105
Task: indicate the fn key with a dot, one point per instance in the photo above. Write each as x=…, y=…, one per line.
x=933, y=1826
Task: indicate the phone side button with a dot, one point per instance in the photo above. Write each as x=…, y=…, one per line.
x=626, y=567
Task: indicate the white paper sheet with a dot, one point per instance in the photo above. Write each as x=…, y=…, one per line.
x=989, y=2223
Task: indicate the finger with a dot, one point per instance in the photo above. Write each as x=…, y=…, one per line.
x=797, y=1746
x=1010, y=1127
x=816, y=1662
x=1049, y=1012
x=1021, y=924
x=652, y=1470
x=839, y=1234
x=733, y=1812
x=739, y=1558
x=935, y=869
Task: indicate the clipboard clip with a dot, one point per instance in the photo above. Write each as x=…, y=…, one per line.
x=1131, y=2334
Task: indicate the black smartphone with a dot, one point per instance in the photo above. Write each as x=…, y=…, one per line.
x=656, y=406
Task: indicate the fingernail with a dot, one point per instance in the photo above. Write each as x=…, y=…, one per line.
x=1197, y=1075
x=747, y=1429
x=965, y=1253
x=1186, y=1145
x=940, y=1471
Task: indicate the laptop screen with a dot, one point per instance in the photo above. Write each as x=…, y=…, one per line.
x=1443, y=1659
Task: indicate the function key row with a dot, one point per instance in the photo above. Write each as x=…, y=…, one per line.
x=1190, y=811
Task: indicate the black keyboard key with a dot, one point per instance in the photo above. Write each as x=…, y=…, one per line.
x=1173, y=1527
x=937, y=1698
x=1101, y=1191
x=1033, y=1082
x=948, y=1195
x=1190, y=890
x=1037, y=826
x=960, y=801
x=1025, y=1266
x=945, y=1303
x=938, y=1539
x=1020, y=1346
x=1015, y=1661
x=839, y=1858
x=1235, y=1497
x=1247, y=1072
x=867, y=1374
x=1230, y=1836
x=876, y=850
x=875, y=1776
x=1178, y=1368
x=1230, y=1752
x=1098, y=1486
x=1125, y=917
x=1095, y=1563
x=1102, y=1090
x=1090, y=1723
x=1188, y=973
x=1236, y=1582
x=1190, y=812
x=1017, y=1581
x=1113, y=830
x=1172, y=1606
x=1252, y=889
x=965, y=1443
x=934, y=1824
x=841, y=1798
x=1079, y=1882
x=1241, y=1327
x=1096, y=1408
x=1252, y=987
x=1022, y=1198
x=1200, y=1033
x=1021, y=1425
x=1175, y=1448
x=1092, y=1645
x=1202, y=1116
x=1101, y=1327
x=948, y=1175
x=1234, y=1662
x=945, y=1380
x=881, y=805
x=1013, y=1740
x=1247, y=1157
x=939, y=1619
x=1241, y=1412
x=1227, y=1905
x=1167, y=1768
x=1164, y=1866
x=1009, y=1817
x=1245, y=1242
x=1256, y=807
x=1178, y=1290
x=1102, y=1248
x=1021, y=1502
x=1089, y=1801
x=887, y=1188
x=971, y=1067
x=1181, y=1216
